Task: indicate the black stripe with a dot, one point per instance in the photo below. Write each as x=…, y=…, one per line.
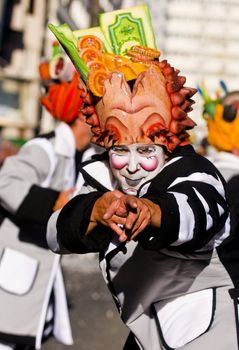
x=234, y=294
x=48, y=135
x=17, y=339
x=162, y=237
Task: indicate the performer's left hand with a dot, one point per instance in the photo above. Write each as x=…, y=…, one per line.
x=139, y=213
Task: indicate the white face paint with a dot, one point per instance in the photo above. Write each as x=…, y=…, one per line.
x=135, y=164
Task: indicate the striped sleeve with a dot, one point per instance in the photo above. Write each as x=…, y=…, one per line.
x=193, y=205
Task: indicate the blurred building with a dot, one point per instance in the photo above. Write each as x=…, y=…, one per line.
x=21, y=43
x=200, y=37
x=24, y=41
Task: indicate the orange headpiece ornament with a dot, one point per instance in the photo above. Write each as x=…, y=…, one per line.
x=63, y=95
x=132, y=96
x=154, y=111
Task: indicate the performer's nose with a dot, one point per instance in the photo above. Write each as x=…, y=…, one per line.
x=133, y=165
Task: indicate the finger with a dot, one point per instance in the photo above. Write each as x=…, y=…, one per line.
x=137, y=225
x=123, y=238
x=119, y=231
x=133, y=211
x=142, y=226
x=120, y=206
x=131, y=202
x=111, y=210
x=117, y=220
x=130, y=221
x=143, y=215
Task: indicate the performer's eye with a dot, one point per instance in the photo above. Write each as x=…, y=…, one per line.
x=118, y=154
x=120, y=150
x=146, y=150
x=229, y=113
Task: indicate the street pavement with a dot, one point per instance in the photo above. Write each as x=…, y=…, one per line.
x=96, y=324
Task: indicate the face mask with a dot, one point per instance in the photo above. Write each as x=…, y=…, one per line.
x=135, y=164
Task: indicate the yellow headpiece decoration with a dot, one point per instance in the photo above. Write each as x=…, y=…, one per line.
x=222, y=116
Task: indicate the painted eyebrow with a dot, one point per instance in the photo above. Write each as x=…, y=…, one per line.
x=117, y=148
x=146, y=148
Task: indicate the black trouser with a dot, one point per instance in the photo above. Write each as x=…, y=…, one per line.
x=131, y=343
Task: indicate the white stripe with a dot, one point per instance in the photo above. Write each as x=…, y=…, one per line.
x=172, y=161
x=201, y=177
x=6, y=347
x=144, y=189
x=220, y=209
x=51, y=232
x=219, y=238
x=187, y=225
x=224, y=233
x=186, y=219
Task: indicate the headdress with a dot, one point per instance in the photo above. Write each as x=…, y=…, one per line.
x=221, y=113
x=124, y=77
x=62, y=97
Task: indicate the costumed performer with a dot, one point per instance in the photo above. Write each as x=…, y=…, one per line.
x=153, y=209
x=221, y=113
x=34, y=183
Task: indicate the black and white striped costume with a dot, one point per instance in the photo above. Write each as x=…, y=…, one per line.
x=170, y=286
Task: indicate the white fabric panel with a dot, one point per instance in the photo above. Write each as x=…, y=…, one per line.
x=93, y=149
x=62, y=328
x=55, y=267
x=101, y=172
x=65, y=142
x=47, y=146
x=21, y=267
x=185, y=318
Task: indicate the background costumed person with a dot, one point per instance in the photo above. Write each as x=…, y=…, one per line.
x=154, y=209
x=221, y=113
x=34, y=183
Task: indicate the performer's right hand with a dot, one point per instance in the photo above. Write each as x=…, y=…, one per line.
x=97, y=216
